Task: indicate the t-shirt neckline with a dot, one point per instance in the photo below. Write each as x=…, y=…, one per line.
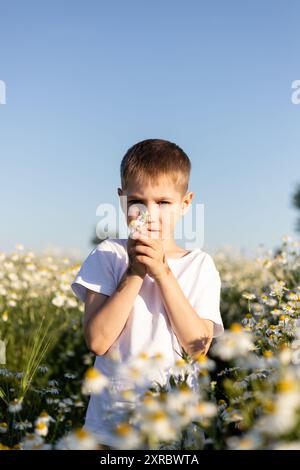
x=183, y=257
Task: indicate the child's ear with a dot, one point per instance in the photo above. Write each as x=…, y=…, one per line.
x=186, y=202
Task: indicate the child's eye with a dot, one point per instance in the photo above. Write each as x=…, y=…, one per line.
x=139, y=202
x=134, y=202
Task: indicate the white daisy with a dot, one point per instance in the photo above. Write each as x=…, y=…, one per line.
x=94, y=381
x=80, y=439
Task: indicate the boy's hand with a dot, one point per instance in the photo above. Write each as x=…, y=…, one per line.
x=150, y=253
x=135, y=267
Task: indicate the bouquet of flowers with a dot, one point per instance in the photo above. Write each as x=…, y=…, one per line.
x=139, y=224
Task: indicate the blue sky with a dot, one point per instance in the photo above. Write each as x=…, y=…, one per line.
x=86, y=80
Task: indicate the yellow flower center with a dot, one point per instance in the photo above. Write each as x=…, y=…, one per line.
x=3, y=447
x=143, y=356
x=286, y=385
x=268, y=353
x=183, y=388
x=134, y=372
x=201, y=358
x=180, y=362
x=236, y=328
x=127, y=394
x=123, y=429
x=148, y=400
x=269, y=407
x=158, y=415
x=200, y=407
x=81, y=433
x=41, y=425
x=245, y=443
x=92, y=373
x=203, y=373
x=158, y=356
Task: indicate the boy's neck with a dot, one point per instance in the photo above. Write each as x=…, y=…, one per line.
x=171, y=247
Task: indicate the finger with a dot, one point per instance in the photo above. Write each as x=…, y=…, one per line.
x=143, y=259
x=146, y=240
x=146, y=250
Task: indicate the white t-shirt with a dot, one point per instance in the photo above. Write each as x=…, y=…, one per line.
x=148, y=328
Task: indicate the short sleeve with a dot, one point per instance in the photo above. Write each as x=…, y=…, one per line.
x=207, y=303
x=96, y=273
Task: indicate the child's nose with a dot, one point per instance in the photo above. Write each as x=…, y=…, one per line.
x=153, y=212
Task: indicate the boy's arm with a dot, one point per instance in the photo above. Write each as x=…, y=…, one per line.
x=103, y=325
x=194, y=333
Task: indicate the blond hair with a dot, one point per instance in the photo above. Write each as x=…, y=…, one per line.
x=154, y=158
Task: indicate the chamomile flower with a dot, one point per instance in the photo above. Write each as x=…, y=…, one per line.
x=160, y=424
x=59, y=300
x=248, y=296
x=19, y=247
x=15, y=405
x=3, y=427
x=41, y=428
x=126, y=437
x=233, y=343
x=139, y=224
x=178, y=399
x=44, y=417
x=34, y=442
x=79, y=439
x=94, y=382
x=249, y=441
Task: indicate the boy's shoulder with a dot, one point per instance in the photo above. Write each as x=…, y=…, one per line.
x=117, y=245
x=206, y=260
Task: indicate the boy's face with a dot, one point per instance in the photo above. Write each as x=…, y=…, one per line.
x=163, y=201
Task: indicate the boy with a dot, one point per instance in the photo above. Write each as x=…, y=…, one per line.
x=146, y=294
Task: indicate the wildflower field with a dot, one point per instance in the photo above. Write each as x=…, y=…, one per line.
x=245, y=394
